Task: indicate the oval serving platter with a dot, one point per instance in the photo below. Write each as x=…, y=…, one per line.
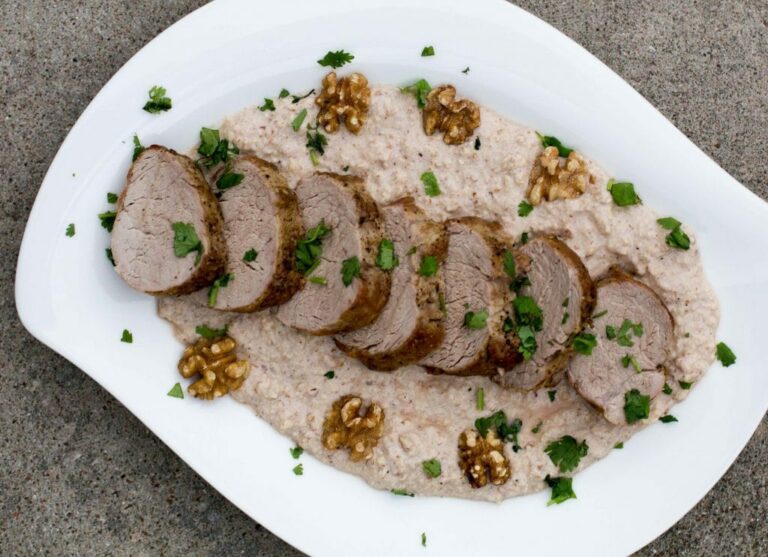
x=233, y=53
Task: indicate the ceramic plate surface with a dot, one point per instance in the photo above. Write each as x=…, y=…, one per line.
x=230, y=54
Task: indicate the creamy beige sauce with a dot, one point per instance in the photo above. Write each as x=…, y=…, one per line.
x=424, y=413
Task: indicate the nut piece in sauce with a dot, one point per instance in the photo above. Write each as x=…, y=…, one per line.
x=554, y=177
x=482, y=458
x=344, y=99
x=348, y=426
x=456, y=120
x=217, y=364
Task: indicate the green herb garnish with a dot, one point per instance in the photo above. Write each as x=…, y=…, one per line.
x=185, y=240
x=283, y=93
x=428, y=51
x=432, y=467
x=424, y=539
x=431, y=186
x=310, y=248
x=221, y=282
x=316, y=279
x=552, y=394
x=107, y=219
x=207, y=332
x=480, y=398
x=138, y=148
x=70, y=231
x=329, y=374
x=584, y=343
x=630, y=359
x=619, y=445
x=386, y=260
x=562, y=490
x=229, y=180
x=599, y=315
x=623, y=336
x=636, y=406
x=528, y=320
x=401, y=491
x=465, y=71
x=524, y=238
x=428, y=266
x=667, y=390
x=475, y=320
x=685, y=385
x=537, y=428
x=157, y=100
x=524, y=209
x=551, y=141
x=350, y=268
x=566, y=452
x=498, y=422
x=477, y=143
x=336, y=59
x=668, y=419
x=250, y=255
x=214, y=150
x=508, y=262
x=296, y=452
x=269, y=104
x=299, y=120
x=623, y=193
x=111, y=258
x=316, y=143
x=127, y=336
x=725, y=354
x=296, y=98
x=676, y=238
x=298, y=470
x=176, y=391
x=420, y=89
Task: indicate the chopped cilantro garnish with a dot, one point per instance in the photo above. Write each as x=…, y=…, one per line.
x=214, y=150
x=565, y=318
x=584, y=343
x=619, y=445
x=551, y=141
x=107, y=219
x=111, y=258
x=676, y=238
x=111, y=197
x=475, y=320
x=316, y=143
x=428, y=51
x=508, y=262
x=298, y=470
x=185, y=240
x=599, y=315
x=70, y=230
x=269, y=104
x=138, y=148
x=316, y=279
x=630, y=359
x=623, y=336
x=562, y=490
x=428, y=266
x=477, y=143
x=725, y=354
x=524, y=208
x=217, y=285
x=667, y=390
x=229, y=180
x=420, y=89
x=667, y=419
x=250, y=255
x=296, y=98
x=480, y=398
x=566, y=452
x=441, y=301
x=127, y=336
x=528, y=320
x=401, y=491
x=524, y=238
x=310, y=248
x=465, y=71
x=424, y=539
x=537, y=428
x=623, y=193
x=176, y=391
x=336, y=59
x=685, y=385
x=498, y=421
x=552, y=394
x=330, y=374
x=207, y=332
x=350, y=268
x=296, y=452
x=432, y=467
x=296, y=124
x=636, y=406
x=386, y=260
x=431, y=186
x=157, y=100
x=283, y=93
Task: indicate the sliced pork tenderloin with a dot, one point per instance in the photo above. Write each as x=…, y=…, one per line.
x=411, y=324
x=560, y=285
x=477, y=301
x=349, y=242
x=168, y=234
x=262, y=225
x=634, y=334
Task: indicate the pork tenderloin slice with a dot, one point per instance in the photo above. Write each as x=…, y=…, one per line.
x=262, y=226
x=602, y=378
x=411, y=324
x=562, y=288
x=356, y=229
x=475, y=281
x=163, y=188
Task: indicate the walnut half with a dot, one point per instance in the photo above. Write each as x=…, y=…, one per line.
x=347, y=426
x=554, y=177
x=345, y=100
x=482, y=458
x=217, y=364
x=456, y=120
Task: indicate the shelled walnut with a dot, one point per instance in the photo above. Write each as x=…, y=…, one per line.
x=456, y=120
x=554, y=177
x=344, y=99
x=347, y=426
x=482, y=458
x=217, y=364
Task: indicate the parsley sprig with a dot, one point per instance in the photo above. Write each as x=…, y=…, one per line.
x=566, y=453
x=310, y=248
x=214, y=150
x=551, y=141
x=676, y=238
x=336, y=59
x=506, y=431
x=419, y=89
x=158, y=101
x=185, y=240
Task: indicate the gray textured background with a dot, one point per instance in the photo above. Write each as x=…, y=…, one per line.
x=80, y=475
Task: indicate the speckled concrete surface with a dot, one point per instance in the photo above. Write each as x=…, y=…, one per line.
x=79, y=475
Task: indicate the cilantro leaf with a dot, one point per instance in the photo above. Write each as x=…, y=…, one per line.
x=667, y=390
x=498, y=422
x=524, y=208
x=676, y=238
x=419, y=89
x=138, y=148
x=685, y=385
x=296, y=123
x=157, y=100
x=636, y=406
x=310, y=248
x=623, y=193
x=283, y=93
x=336, y=59
x=668, y=419
x=424, y=539
x=386, y=260
x=725, y=354
x=465, y=71
x=584, y=343
x=112, y=197
x=329, y=374
x=552, y=394
x=474, y=320
x=316, y=143
x=229, y=180
x=214, y=150
x=630, y=359
x=250, y=255
x=477, y=143
x=350, y=268
x=127, y=337
x=316, y=279
x=107, y=219
x=562, y=490
x=176, y=391
x=209, y=333
x=428, y=51
x=185, y=240
x=432, y=467
x=111, y=258
x=70, y=230
x=566, y=452
x=221, y=282
x=431, y=186
x=480, y=398
x=428, y=266
x=401, y=491
x=508, y=262
x=619, y=445
x=296, y=98
x=296, y=452
x=298, y=470
x=551, y=141
x=269, y=104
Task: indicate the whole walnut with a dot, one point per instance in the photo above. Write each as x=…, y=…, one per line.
x=482, y=459
x=347, y=425
x=344, y=100
x=456, y=120
x=554, y=177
